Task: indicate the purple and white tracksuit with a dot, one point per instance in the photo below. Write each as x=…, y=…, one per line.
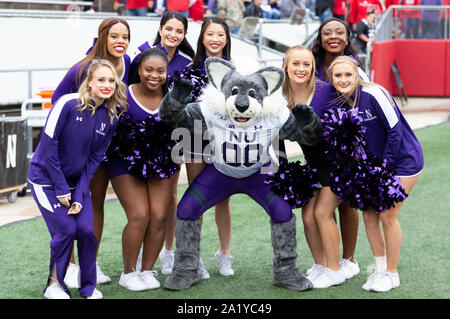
x=69, y=152
x=388, y=134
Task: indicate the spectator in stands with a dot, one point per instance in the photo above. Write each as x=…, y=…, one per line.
x=324, y=9
x=232, y=12
x=411, y=19
x=254, y=9
x=196, y=10
x=358, y=11
x=247, y=3
x=288, y=6
x=430, y=20
x=270, y=9
x=212, y=8
x=364, y=31
x=340, y=9
x=134, y=7
x=181, y=6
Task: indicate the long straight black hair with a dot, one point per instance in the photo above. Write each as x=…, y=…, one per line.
x=184, y=46
x=201, y=51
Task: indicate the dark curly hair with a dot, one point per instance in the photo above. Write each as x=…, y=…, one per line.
x=319, y=52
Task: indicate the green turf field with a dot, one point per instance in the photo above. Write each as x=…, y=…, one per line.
x=423, y=267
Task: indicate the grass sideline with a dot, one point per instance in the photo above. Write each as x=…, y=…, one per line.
x=423, y=267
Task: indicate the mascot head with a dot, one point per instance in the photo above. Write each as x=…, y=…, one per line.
x=240, y=97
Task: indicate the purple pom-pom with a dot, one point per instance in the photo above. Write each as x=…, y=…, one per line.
x=198, y=77
x=146, y=147
x=367, y=184
x=294, y=182
x=362, y=181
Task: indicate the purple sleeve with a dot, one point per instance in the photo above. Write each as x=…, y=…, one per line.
x=50, y=143
x=69, y=84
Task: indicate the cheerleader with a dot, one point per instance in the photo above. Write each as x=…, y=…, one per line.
x=387, y=135
x=78, y=130
x=334, y=40
x=142, y=172
x=111, y=44
x=213, y=41
x=171, y=38
x=301, y=87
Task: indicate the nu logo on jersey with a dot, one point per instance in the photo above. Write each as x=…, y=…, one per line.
x=368, y=115
x=241, y=148
x=102, y=129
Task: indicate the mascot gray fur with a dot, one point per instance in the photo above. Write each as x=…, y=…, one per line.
x=242, y=115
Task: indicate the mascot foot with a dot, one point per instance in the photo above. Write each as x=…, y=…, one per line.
x=284, y=244
x=186, y=267
x=182, y=281
x=294, y=281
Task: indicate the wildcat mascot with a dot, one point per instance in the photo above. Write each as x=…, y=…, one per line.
x=240, y=116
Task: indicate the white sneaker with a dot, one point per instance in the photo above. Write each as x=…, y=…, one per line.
x=167, y=258
x=148, y=277
x=203, y=271
x=372, y=278
x=224, y=262
x=96, y=294
x=329, y=278
x=101, y=277
x=55, y=291
x=350, y=268
x=315, y=271
x=386, y=282
x=132, y=281
x=72, y=277
x=139, y=261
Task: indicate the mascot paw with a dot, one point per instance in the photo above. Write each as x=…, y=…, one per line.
x=292, y=280
x=182, y=90
x=303, y=114
x=182, y=280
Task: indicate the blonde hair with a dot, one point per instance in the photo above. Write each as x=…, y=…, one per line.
x=286, y=86
x=118, y=97
x=342, y=99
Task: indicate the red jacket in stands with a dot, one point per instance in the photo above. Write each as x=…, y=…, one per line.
x=134, y=4
x=358, y=9
x=177, y=5
x=340, y=7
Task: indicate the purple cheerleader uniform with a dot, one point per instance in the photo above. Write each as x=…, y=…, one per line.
x=69, y=152
x=70, y=83
x=142, y=145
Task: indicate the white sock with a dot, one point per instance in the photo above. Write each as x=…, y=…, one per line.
x=380, y=263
